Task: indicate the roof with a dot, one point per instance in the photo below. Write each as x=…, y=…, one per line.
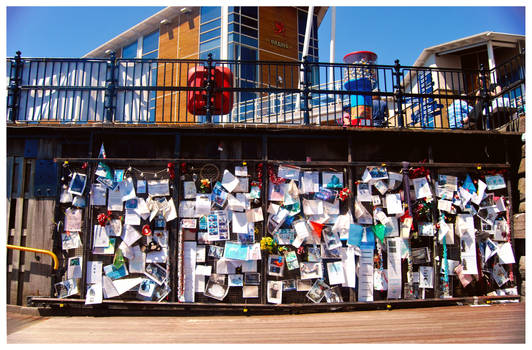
x=153, y=23
x=497, y=39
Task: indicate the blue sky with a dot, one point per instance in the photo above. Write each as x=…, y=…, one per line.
x=391, y=32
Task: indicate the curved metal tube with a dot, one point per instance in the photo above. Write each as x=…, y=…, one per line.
x=35, y=250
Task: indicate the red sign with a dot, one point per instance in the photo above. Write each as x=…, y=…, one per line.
x=279, y=28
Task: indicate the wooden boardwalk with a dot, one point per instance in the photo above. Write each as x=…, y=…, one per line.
x=503, y=323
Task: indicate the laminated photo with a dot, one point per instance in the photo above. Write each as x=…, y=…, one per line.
x=236, y=280
x=114, y=228
x=420, y=255
x=381, y=186
x=288, y=172
x=275, y=292
x=426, y=229
x=77, y=184
x=216, y=251
x=66, y=288
x=250, y=292
x=313, y=254
x=303, y=285
x=156, y=272
x=241, y=170
x=147, y=288
x=421, y=187
x=310, y=182
x=289, y=285
x=189, y=189
x=115, y=273
x=98, y=195
x=310, y=270
x=94, y=294
x=291, y=260
x=100, y=237
x=335, y=272
x=495, y=182
x=141, y=186
x=325, y=194
x=317, y=291
x=217, y=287
x=229, y=181
x=219, y=195
x=74, y=267
x=330, y=238
x=275, y=265
x=73, y=219
x=426, y=277
x=252, y=279
x=236, y=250
x=330, y=253
x=499, y=274
x=374, y=173
x=333, y=295
x=187, y=209
x=109, y=250
x=333, y=180
x=70, y=240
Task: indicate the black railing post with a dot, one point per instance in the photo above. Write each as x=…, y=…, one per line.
x=15, y=80
x=484, y=95
x=209, y=88
x=399, y=94
x=306, y=91
x=110, y=88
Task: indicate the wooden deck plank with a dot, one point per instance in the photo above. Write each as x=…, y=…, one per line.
x=503, y=323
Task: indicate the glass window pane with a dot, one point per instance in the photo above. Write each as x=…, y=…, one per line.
x=250, y=11
x=233, y=38
x=249, y=22
x=210, y=35
x=301, y=22
x=210, y=45
x=248, y=41
x=150, y=42
x=153, y=54
x=130, y=51
x=209, y=13
x=249, y=31
x=233, y=18
x=233, y=27
x=209, y=26
x=215, y=54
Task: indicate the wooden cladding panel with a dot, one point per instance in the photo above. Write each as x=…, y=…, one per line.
x=168, y=37
x=188, y=34
x=280, y=25
x=278, y=75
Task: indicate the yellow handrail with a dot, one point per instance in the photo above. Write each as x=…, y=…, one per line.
x=35, y=250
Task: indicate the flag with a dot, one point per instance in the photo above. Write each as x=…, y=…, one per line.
x=102, y=152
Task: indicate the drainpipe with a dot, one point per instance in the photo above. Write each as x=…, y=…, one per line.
x=331, y=47
x=310, y=16
x=491, y=60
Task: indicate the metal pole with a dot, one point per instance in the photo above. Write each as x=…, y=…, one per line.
x=398, y=93
x=209, y=88
x=308, y=31
x=110, y=88
x=484, y=95
x=14, y=88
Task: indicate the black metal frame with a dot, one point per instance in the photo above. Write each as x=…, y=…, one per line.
x=408, y=91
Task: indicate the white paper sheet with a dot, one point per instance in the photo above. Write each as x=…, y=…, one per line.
x=132, y=217
x=348, y=260
x=142, y=209
x=159, y=257
x=364, y=192
x=394, y=204
x=98, y=194
x=114, y=200
x=254, y=215
x=122, y=285
x=94, y=294
x=73, y=219
x=310, y=182
x=138, y=261
x=189, y=189
x=229, y=181
x=100, y=238
x=158, y=188
x=394, y=267
x=127, y=188
x=94, y=272
x=130, y=235
x=188, y=273
x=426, y=277
x=312, y=207
x=203, y=205
x=75, y=265
x=108, y=288
x=335, y=272
x=203, y=270
x=421, y=187
x=365, y=275
x=506, y=254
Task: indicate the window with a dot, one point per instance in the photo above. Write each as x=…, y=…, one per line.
x=150, y=43
x=210, y=13
x=130, y=51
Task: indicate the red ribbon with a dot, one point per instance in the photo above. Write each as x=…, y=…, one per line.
x=171, y=170
x=146, y=230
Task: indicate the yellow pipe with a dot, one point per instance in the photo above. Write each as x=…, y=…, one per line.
x=35, y=250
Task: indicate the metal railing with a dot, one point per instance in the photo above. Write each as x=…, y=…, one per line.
x=153, y=91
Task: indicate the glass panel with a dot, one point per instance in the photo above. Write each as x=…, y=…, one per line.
x=153, y=54
x=209, y=26
x=249, y=11
x=249, y=22
x=130, y=51
x=150, y=42
x=233, y=27
x=248, y=41
x=249, y=31
x=301, y=22
x=209, y=13
x=210, y=45
x=233, y=38
x=215, y=54
x=233, y=18
x=210, y=35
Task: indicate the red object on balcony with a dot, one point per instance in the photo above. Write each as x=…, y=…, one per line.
x=222, y=101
